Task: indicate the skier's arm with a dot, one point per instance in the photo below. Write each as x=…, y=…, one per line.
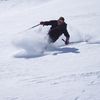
x=66, y=34
x=67, y=37
x=47, y=22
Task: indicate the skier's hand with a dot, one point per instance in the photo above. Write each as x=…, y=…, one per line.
x=67, y=41
x=42, y=23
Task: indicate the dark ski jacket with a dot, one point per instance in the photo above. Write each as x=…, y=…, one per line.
x=56, y=30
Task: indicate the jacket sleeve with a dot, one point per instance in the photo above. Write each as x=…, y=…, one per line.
x=65, y=31
x=49, y=22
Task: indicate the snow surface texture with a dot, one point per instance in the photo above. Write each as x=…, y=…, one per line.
x=28, y=71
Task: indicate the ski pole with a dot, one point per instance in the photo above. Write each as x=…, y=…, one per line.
x=30, y=28
x=35, y=26
x=63, y=40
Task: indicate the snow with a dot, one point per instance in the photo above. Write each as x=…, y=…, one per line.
x=28, y=71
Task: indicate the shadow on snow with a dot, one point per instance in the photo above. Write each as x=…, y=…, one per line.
x=66, y=50
x=53, y=51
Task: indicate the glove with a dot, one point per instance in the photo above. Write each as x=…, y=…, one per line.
x=67, y=41
x=42, y=23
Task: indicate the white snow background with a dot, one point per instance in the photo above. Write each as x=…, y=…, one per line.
x=28, y=71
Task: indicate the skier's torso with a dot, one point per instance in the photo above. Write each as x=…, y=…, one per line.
x=56, y=30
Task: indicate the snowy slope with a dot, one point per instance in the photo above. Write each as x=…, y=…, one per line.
x=6, y=5
x=64, y=73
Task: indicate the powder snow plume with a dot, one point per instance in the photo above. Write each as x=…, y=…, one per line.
x=31, y=42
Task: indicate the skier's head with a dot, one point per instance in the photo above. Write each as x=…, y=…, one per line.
x=61, y=20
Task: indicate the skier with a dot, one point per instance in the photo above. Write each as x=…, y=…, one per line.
x=58, y=27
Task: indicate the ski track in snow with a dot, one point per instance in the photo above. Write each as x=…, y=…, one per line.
x=91, y=78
